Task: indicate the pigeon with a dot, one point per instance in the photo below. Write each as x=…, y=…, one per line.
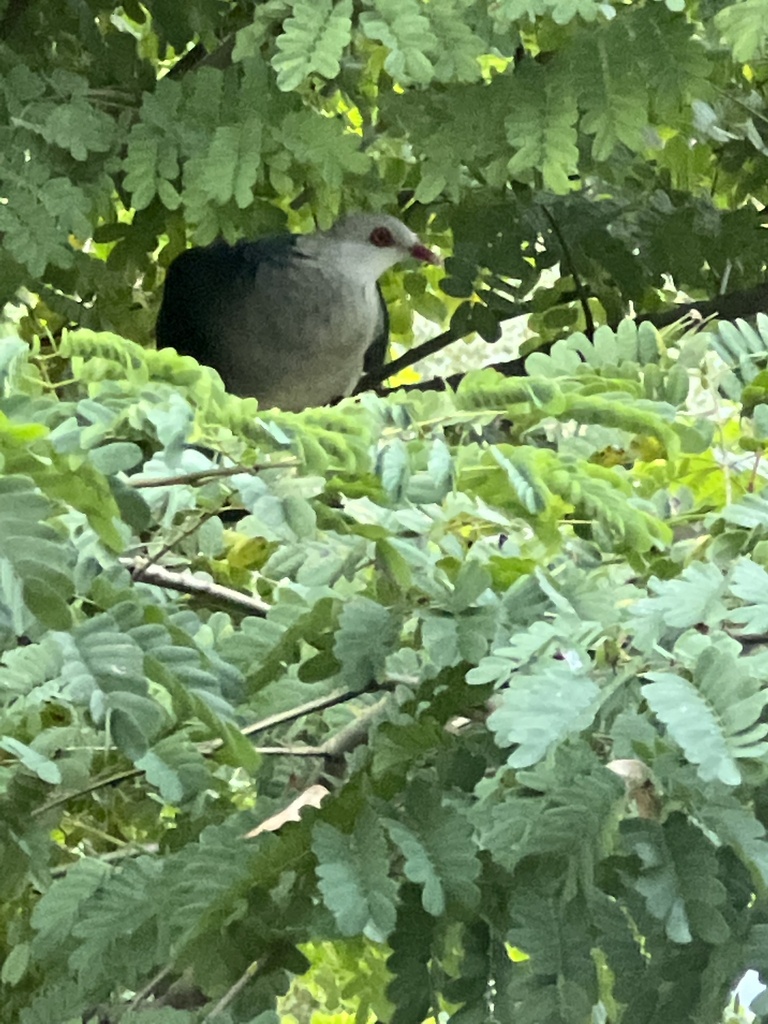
x=293, y=320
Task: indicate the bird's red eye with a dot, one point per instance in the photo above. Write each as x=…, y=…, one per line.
x=382, y=237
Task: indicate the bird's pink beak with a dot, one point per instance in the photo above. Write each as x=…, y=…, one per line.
x=421, y=252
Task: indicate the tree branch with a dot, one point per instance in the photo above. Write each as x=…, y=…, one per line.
x=428, y=348
x=571, y=266
x=320, y=704
x=211, y=746
x=199, y=57
x=143, y=571
x=731, y=306
x=150, y=987
x=230, y=994
x=355, y=733
x=206, y=474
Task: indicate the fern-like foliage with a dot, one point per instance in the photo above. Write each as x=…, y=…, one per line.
x=499, y=649
x=313, y=40
x=714, y=727
x=354, y=878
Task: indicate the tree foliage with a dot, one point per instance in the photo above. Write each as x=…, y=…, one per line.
x=435, y=704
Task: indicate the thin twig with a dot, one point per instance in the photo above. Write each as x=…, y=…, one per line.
x=746, y=302
x=351, y=736
x=195, y=525
x=320, y=704
x=731, y=306
x=149, y=988
x=112, y=857
x=571, y=265
x=63, y=798
x=211, y=746
x=205, y=474
x=413, y=355
x=144, y=571
x=291, y=751
x=753, y=475
x=509, y=367
x=356, y=732
x=231, y=993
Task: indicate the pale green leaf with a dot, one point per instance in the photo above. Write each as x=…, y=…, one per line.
x=538, y=710
x=403, y=27
x=37, y=763
x=353, y=872
x=744, y=27
x=313, y=40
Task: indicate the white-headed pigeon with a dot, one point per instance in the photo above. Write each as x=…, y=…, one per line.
x=291, y=319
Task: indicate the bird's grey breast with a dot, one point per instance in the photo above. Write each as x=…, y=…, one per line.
x=308, y=326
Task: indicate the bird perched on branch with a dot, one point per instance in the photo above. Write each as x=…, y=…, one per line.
x=291, y=319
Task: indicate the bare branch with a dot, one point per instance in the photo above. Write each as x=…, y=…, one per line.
x=211, y=746
x=144, y=571
x=320, y=704
x=150, y=987
x=413, y=355
x=64, y=798
x=291, y=751
x=356, y=732
x=205, y=474
x=581, y=291
x=231, y=993
x=730, y=306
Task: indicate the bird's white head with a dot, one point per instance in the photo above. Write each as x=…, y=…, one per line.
x=372, y=243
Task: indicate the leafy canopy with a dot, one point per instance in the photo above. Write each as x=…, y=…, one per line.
x=440, y=704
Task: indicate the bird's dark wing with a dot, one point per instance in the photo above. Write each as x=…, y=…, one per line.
x=376, y=353
x=275, y=321
x=202, y=287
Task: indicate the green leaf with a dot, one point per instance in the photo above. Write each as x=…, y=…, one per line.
x=79, y=128
x=324, y=146
x=15, y=965
x=695, y=597
x=118, y=457
x=438, y=850
x=409, y=964
x=313, y=40
x=749, y=582
x=744, y=27
x=134, y=721
x=100, y=656
x=714, y=724
x=367, y=633
x=418, y=867
x=229, y=168
x=538, y=710
x=41, y=766
x=679, y=881
x=38, y=561
x=353, y=872
x=60, y=907
x=176, y=768
x=460, y=46
x=402, y=26
x=561, y=11
x=542, y=128
x=615, y=104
